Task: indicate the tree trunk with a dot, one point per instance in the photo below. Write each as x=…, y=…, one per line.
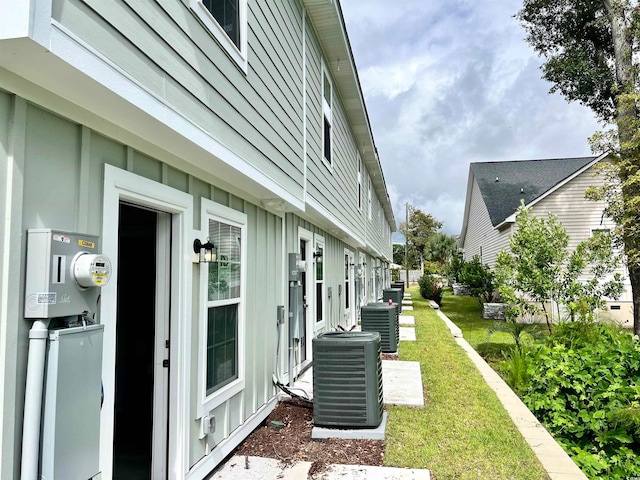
x=626, y=121
x=634, y=276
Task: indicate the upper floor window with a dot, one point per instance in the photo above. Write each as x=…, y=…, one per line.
x=327, y=122
x=369, y=199
x=227, y=22
x=359, y=183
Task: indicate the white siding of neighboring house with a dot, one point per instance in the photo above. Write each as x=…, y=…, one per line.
x=579, y=217
x=480, y=231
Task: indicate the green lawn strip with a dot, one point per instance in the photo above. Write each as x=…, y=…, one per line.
x=466, y=313
x=463, y=431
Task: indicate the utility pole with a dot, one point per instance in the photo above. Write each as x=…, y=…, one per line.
x=406, y=230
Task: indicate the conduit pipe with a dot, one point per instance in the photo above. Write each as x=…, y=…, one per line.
x=33, y=399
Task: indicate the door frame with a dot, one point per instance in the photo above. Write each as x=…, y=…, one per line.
x=121, y=185
x=162, y=334
x=309, y=317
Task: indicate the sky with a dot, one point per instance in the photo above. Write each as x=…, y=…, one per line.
x=450, y=82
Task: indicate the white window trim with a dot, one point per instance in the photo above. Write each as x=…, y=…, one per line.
x=215, y=211
x=360, y=186
x=327, y=111
x=369, y=199
x=239, y=55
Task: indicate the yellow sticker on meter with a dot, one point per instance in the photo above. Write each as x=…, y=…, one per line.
x=86, y=244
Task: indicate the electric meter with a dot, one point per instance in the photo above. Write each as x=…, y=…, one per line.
x=91, y=270
x=64, y=270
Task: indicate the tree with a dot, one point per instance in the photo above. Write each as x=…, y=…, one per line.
x=398, y=256
x=478, y=278
x=417, y=231
x=540, y=269
x=440, y=249
x=591, y=49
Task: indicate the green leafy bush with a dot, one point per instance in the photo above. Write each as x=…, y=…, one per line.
x=478, y=278
x=431, y=287
x=584, y=385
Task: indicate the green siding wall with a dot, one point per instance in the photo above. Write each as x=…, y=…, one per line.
x=57, y=154
x=163, y=47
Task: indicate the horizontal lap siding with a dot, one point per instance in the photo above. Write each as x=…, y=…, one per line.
x=481, y=232
x=336, y=186
x=163, y=47
x=578, y=215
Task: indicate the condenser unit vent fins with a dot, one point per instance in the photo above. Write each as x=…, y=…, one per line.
x=395, y=295
x=347, y=380
x=382, y=318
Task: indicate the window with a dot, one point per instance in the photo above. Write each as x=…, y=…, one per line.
x=223, y=320
x=227, y=22
x=369, y=200
x=359, y=183
x=326, y=117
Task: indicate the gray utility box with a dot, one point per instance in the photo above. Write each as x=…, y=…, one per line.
x=70, y=441
x=395, y=295
x=382, y=318
x=347, y=380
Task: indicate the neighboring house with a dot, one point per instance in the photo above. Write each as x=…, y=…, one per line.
x=154, y=123
x=495, y=190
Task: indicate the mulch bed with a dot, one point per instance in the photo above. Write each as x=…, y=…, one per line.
x=293, y=443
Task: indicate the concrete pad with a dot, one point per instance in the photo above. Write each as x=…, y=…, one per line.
x=406, y=302
x=406, y=307
x=363, y=472
x=352, y=433
x=407, y=334
x=407, y=319
x=402, y=383
x=259, y=468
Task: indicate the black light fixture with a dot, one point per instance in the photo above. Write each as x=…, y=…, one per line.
x=206, y=252
x=317, y=254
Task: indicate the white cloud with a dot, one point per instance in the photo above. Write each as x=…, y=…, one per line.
x=452, y=82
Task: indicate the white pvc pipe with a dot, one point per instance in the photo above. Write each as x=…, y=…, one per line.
x=33, y=399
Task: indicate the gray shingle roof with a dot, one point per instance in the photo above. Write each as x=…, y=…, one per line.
x=503, y=184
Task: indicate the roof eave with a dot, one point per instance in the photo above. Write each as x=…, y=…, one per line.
x=326, y=17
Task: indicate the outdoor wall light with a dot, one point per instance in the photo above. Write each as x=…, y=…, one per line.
x=317, y=254
x=206, y=252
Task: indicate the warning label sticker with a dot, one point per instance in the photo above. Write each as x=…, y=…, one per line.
x=86, y=244
x=58, y=237
x=48, y=298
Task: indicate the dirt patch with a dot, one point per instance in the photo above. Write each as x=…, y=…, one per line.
x=286, y=436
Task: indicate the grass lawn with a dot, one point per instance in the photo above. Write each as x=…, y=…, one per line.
x=466, y=313
x=463, y=432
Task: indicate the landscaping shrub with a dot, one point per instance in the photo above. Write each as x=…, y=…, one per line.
x=584, y=385
x=431, y=288
x=478, y=278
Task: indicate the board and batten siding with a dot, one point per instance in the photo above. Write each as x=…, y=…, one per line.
x=480, y=232
x=55, y=154
x=163, y=47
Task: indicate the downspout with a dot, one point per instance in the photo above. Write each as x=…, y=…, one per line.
x=33, y=399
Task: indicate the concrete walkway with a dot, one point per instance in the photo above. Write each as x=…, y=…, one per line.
x=554, y=459
x=258, y=468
